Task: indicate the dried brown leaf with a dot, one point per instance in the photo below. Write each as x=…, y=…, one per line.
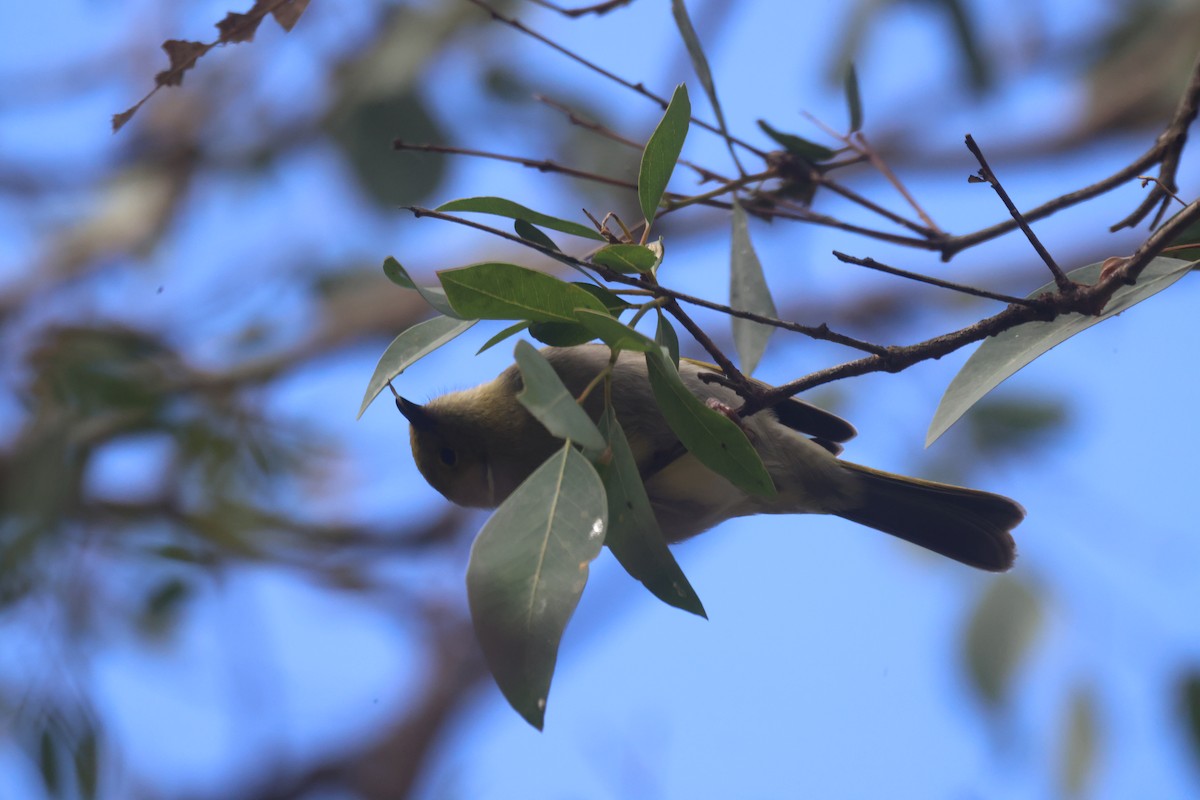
x=234, y=28
x=239, y=27
x=289, y=13
x=183, y=55
x=119, y=120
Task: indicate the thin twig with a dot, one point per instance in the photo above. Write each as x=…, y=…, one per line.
x=863, y=146
x=520, y=27
x=541, y=165
x=1082, y=300
x=820, y=332
x=871, y=205
x=598, y=9
x=673, y=308
x=1148, y=179
x=1165, y=151
x=871, y=263
x=1170, y=147
x=859, y=144
x=1060, y=278
x=608, y=133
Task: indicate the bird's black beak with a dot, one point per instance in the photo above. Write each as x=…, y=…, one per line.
x=415, y=414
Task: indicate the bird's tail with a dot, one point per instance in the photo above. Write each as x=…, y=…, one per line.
x=964, y=524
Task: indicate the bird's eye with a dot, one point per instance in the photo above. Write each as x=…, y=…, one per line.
x=448, y=456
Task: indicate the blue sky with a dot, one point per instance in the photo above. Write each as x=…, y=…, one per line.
x=831, y=663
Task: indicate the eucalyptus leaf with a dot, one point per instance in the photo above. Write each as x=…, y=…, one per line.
x=633, y=533
x=410, y=346
x=666, y=336
x=613, y=332
x=610, y=300
x=853, y=99
x=1004, y=354
x=495, y=290
x=531, y=233
x=432, y=294
x=87, y=764
x=1189, y=700
x=560, y=334
x=809, y=151
x=511, y=330
x=662, y=152
x=1079, y=748
x=998, y=637
x=748, y=291
x=545, y=397
x=716, y=440
x=627, y=258
x=699, y=61
x=48, y=759
x=527, y=570
x=500, y=207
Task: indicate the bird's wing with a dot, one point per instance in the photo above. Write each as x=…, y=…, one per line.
x=828, y=428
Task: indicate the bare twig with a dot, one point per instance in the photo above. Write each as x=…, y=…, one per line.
x=985, y=172
x=601, y=130
x=1082, y=300
x=541, y=165
x=820, y=332
x=662, y=102
x=871, y=263
x=1165, y=151
x=859, y=144
x=599, y=9
x=1169, y=146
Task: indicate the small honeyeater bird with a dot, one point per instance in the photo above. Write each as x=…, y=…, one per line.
x=476, y=446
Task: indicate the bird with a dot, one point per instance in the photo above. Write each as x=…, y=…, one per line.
x=476, y=446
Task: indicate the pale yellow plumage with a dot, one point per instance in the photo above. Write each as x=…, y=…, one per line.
x=476, y=446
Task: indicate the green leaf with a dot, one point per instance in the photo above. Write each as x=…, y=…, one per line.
x=716, y=440
x=809, y=151
x=560, y=334
x=610, y=300
x=613, y=332
x=1000, y=632
x=364, y=120
x=1189, y=235
x=527, y=569
x=666, y=336
x=87, y=764
x=432, y=294
x=48, y=762
x=1002, y=355
x=500, y=207
x=662, y=151
x=633, y=533
x=532, y=234
x=748, y=292
x=627, y=257
x=853, y=99
x=406, y=349
x=545, y=397
x=1189, y=699
x=505, y=291
x=1079, y=747
x=699, y=61
x=1015, y=424
x=535, y=235
x=502, y=335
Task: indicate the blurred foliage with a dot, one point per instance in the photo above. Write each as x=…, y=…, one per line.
x=1012, y=425
x=1079, y=744
x=1189, y=706
x=998, y=637
x=82, y=562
